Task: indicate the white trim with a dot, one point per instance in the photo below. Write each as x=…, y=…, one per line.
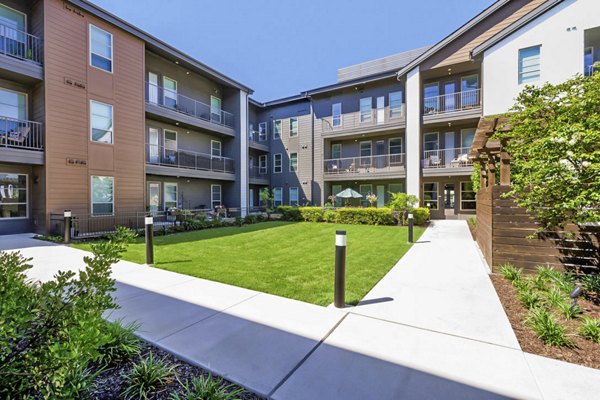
x=165, y=90
x=165, y=141
x=461, y=135
x=280, y=190
x=519, y=66
x=19, y=12
x=341, y=147
x=277, y=135
x=220, y=148
x=297, y=127
x=360, y=116
x=19, y=202
x=220, y=113
x=280, y=163
x=391, y=110
x=26, y=99
x=266, y=134
x=164, y=192
x=92, y=195
x=297, y=195
x=212, y=198
x=112, y=58
x=112, y=122
x=390, y=144
x=341, y=119
x=297, y=162
x=148, y=183
x=266, y=167
x=438, y=140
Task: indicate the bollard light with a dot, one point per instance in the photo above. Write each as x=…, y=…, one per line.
x=410, y=227
x=339, y=293
x=149, y=222
x=67, y=224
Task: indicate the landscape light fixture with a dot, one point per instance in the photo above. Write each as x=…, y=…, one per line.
x=574, y=295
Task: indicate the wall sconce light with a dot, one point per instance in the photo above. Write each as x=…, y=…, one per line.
x=36, y=179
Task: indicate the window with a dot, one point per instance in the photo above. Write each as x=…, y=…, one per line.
x=293, y=196
x=588, y=61
x=152, y=88
x=365, y=190
x=365, y=153
x=170, y=195
x=277, y=197
x=467, y=196
x=431, y=99
x=153, y=145
x=293, y=162
x=170, y=149
x=277, y=129
x=365, y=109
x=335, y=189
x=396, y=188
x=101, y=49
x=430, y=141
x=277, y=163
x=215, y=195
x=13, y=196
x=395, y=151
x=169, y=92
x=395, y=104
x=215, y=109
x=153, y=196
x=12, y=20
x=469, y=82
x=262, y=131
x=262, y=164
x=430, y=195
x=102, y=195
x=215, y=148
x=13, y=104
x=336, y=150
x=101, y=122
x=336, y=114
x=466, y=137
x=470, y=95
x=293, y=126
x=529, y=64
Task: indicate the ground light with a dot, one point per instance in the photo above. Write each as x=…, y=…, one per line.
x=574, y=295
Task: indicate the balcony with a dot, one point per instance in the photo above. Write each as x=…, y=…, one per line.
x=592, y=69
x=21, y=53
x=174, y=106
x=375, y=121
x=258, y=141
x=21, y=141
x=452, y=106
x=381, y=166
x=171, y=162
x=447, y=162
x=258, y=175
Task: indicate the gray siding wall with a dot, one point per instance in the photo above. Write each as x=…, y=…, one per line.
x=192, y=193
x=356, y=186
x=441, y=130
x=351, y=147
x=233, y=149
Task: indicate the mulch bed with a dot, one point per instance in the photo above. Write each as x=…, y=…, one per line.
x=585, y=352
x=110, y=384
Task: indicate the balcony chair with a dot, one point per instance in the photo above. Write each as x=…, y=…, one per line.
x=352, y=168
x=333, y=169
x=16, y=137
x=434, y=161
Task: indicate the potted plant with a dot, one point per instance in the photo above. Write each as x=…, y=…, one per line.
x=372, y=199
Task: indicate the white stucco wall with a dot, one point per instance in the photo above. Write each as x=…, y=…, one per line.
x=560, y=32
x=413, y=132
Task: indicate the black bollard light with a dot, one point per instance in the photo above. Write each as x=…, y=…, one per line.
x=410, y=227
x=339, y=295
x=67, y=215
x=149, y=240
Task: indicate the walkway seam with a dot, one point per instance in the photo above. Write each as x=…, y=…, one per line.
x=146, y=290
x=303, y=360
x=537, y=384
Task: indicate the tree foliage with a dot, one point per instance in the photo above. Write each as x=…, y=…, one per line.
x=554, y=144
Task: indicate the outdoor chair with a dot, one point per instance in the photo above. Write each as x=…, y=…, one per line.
x=333, y=169
x=17, y=136
x=434, y=161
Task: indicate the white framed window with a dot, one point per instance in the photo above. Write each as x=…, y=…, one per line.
x=215, y=109
x=13, y=104
x=293, y=162
x=395, y=104
x=277, y=163
x=431, y=141
x=335, y=189
x=277, y=129
x=336, y=114
x=293, y=126
x=101, y=49
x=365, y=153
x=169, y=195
x=13, y=196
x=466, y=137
x=153, y=88
x=366, y=103
x=103, y=200
x=529, y=65
x=277, y=196
x=430, y=195
x=153, y=196
x=101, y=122
x=262, y=131
x=395, y=151
x=215, y=148
x=262, y=164
x=365, y=190
x=169, y=92
x=215, y=195
x=431, y=97
x=170, y=147
x=467, y=196
x=293, y=196
x=396, y=188
x=336, y=150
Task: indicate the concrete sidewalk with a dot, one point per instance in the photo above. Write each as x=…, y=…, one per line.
x=433, y=327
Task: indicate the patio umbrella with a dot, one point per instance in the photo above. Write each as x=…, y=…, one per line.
x=349, y=194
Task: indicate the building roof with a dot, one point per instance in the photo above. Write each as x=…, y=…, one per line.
x=515, y=26
x=158, y=45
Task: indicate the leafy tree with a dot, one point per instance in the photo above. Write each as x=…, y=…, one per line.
x=554, y=143
x=267, y=198
x=403, y=203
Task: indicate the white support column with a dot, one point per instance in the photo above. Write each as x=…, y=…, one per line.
x=413, y=132
x=244, y=187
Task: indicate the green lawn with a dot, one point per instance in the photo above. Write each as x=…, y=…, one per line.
x=294, y=260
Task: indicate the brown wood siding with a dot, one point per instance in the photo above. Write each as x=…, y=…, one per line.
x=67, y=113
x=503, y=228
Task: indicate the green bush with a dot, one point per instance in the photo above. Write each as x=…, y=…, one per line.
x=312, y=214
x=548, y=329
x=121, y=343
x=591, y=284
x=289, y=213
x=420, y=215
x=590, y=329
x=569, y=311
x=528, y=297
x=51, y=332
x=330, y=216
x=147, y=377
x=365, y=216
x=207, y=388
x=510, y=273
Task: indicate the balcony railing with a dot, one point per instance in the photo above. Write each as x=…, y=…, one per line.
x=452, y=102
x=21, y=134
x=364, y=165
x=258, y=172
x=591, y=69
x=160, y=155
x=255, y=136
x=21, y=45
x=358, y=120
x=158, y=95
x=447, y=158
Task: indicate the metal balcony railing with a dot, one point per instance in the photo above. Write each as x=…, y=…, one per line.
x=20, y=44
x=158, y=95
x=364, y=165
x=160, y=155
x=591, y=69
x=357, y=120
x=452, y=102
x=257, y=137
x=258, y=172
x=447, y=158
x=21, y=134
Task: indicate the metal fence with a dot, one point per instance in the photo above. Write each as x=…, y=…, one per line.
x=20, y=44
x=366, y=165
x=21, y=134
x=161, y=155
x=451, y=102
x=447, y=158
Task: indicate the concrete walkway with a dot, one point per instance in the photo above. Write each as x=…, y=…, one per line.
x=433, y=327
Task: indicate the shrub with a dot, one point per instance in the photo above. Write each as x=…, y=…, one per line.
x=420, y=215
x=51, y=332
x=548, y=329
x=569, y=311
x=528, y=297
x=147, y=377
x=207, y=388
x=251, y=219
x=591, y=284
x=121, y=343
x=590, y=329
x=312, y=214
x=239, y=221
x=510, y=272
x=365, y=216
x=555, y=297
x=402, y=203
x=330, y=216
x=289, y=213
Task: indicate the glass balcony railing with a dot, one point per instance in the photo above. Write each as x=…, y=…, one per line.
x=352, y=166
x=161, y=155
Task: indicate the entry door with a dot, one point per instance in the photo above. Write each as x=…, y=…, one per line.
x=449, y=96
x=380, y=110
x=449, y=148
x=152, y=88
x=449, y=199
x=153, y=146
x=153, y=196
x=251, y=195
x=380, y=196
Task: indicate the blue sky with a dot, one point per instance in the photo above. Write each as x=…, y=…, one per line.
x=282, y=47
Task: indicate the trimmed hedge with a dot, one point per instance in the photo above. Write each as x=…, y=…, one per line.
x=330, y=216
x=289, y=213
x=365, y=216
x=312, y=214
x=420, y=215
x=355, y=216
